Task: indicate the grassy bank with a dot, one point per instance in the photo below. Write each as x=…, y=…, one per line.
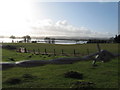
x=105, y=75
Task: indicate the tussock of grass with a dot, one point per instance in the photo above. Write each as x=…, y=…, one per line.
x=73, y=74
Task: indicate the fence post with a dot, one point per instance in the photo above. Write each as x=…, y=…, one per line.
x=54, y=52
x=62, y=52
x=38, y=51
x=98, y=47
x=88, y=51
x=25, y=50
x=34, y=51
x=45, y=51
x=74, y=52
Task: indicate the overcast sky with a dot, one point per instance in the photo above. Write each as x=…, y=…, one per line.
x=84, y=19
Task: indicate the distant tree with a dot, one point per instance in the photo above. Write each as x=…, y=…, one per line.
x=34, y=41
x=117, y=39
x=111, y=40
x=53, y=40
x=27, y=38
x=12, y=37
x=96, y=41
x=47, y=40
x=77, y=41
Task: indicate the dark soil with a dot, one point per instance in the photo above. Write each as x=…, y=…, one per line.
x=73, y=74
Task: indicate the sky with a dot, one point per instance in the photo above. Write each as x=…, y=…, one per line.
x=73, y=19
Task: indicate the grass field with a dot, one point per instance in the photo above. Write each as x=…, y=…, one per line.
x=105, y=75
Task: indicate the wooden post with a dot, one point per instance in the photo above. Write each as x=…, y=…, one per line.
x=74, y=52
x=88, y=51
x=19, y=49
x=38, y=51
x=98, y=47
x=62, y=52
x=25, y=50
x=54, y=52
x=34, y=51
x=45, y=51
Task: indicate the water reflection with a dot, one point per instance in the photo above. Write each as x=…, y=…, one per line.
x=9, y=40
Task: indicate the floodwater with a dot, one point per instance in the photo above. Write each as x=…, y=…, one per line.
x=9, y=40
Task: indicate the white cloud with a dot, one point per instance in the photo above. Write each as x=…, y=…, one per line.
x=14, y=17
x=62, y=28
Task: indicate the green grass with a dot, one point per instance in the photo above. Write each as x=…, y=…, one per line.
x=105, y=75
x=81, y=48
x=25, y=56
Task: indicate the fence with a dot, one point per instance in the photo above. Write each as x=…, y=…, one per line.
x=75, y=50
x=45, y=52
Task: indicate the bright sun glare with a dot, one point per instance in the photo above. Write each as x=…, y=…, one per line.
x=15, y=16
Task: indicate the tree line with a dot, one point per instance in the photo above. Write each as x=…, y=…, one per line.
x=115, y=39
x=27, y=39
x=49, y=40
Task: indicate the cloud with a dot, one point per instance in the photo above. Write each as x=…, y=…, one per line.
x=49, y=27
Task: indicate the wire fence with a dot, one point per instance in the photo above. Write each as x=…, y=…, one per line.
x=38, y=52
x=55, y=52
x=75, y=50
